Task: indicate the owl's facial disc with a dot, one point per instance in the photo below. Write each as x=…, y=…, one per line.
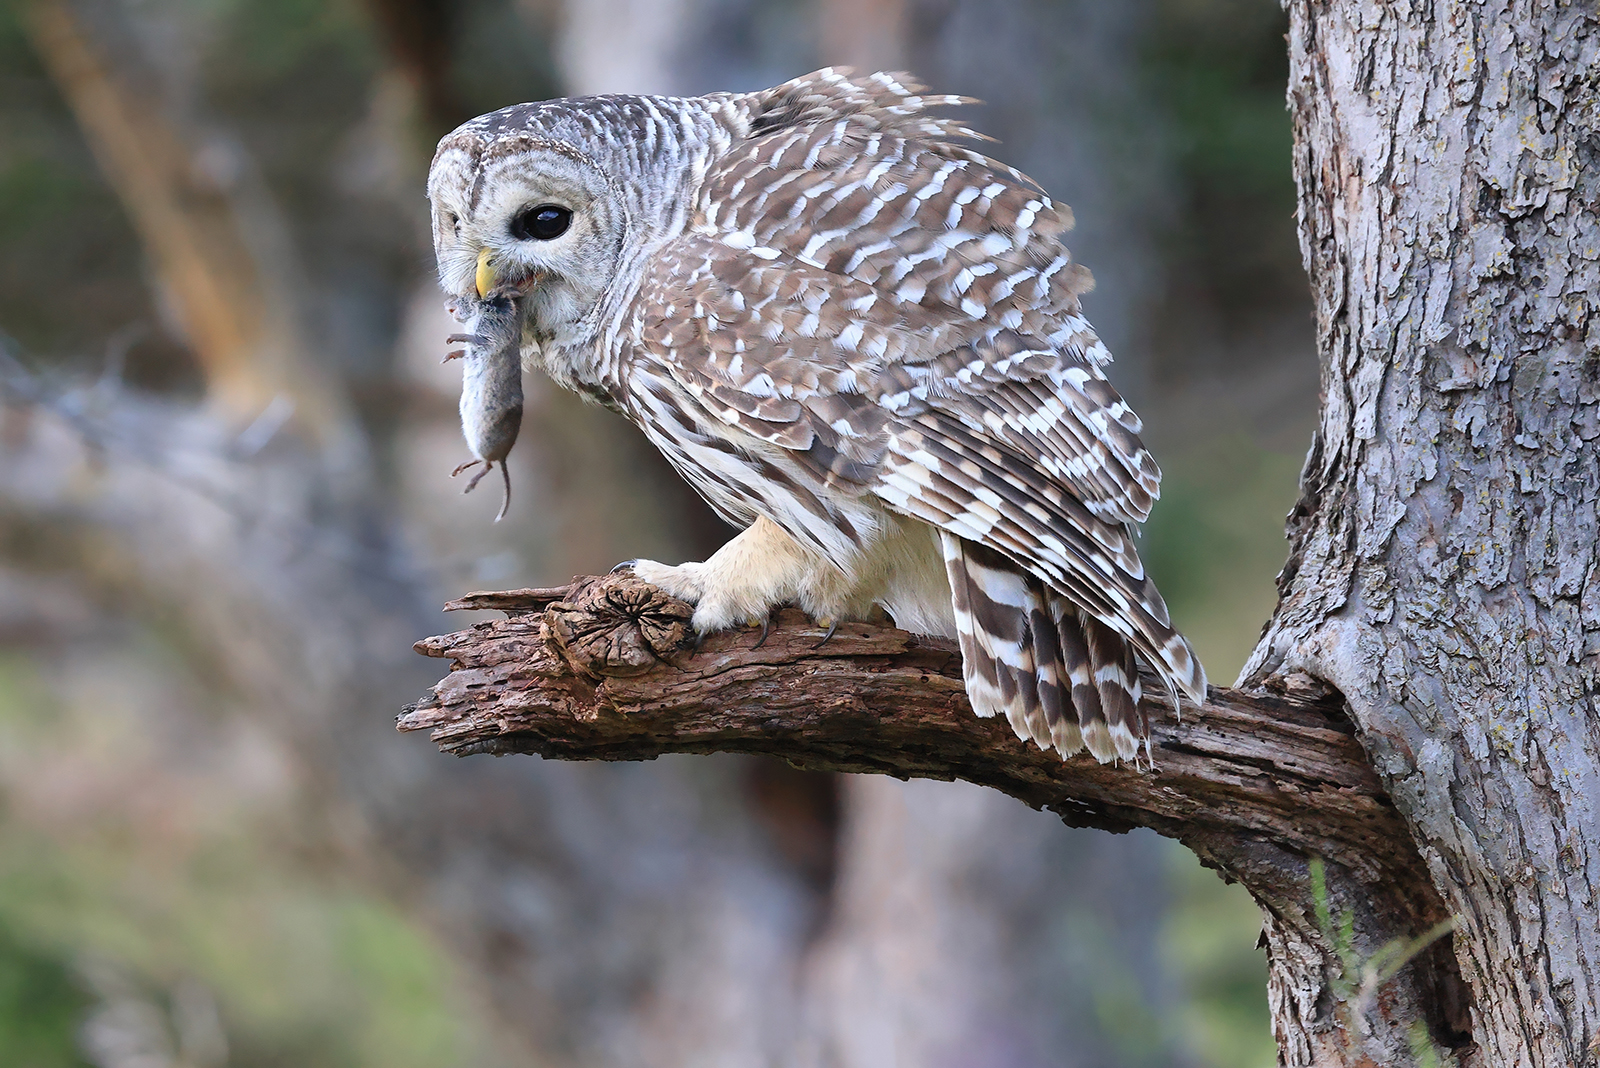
x=533, y=220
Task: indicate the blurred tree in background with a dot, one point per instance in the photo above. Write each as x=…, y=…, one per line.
x=211, y=849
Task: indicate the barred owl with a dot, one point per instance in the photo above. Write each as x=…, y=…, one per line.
x=859, y=339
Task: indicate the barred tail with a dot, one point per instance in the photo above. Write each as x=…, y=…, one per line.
x=1061, y=677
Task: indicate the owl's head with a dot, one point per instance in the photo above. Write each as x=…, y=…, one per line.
x=528, y=215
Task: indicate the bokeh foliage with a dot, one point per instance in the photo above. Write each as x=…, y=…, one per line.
x=311, y=971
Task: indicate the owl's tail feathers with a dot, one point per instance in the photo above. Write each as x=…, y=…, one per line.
x=1061, y=677
x=1174, y=658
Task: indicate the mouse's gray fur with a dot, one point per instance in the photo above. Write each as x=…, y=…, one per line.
x=491, y=385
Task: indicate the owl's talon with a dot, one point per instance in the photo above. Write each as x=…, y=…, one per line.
x=833, y=625
x=626, y=565
x=765, y=623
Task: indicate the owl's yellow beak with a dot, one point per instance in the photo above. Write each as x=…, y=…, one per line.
x=487, y=275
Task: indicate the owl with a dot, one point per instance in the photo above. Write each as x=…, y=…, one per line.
x=860, y=339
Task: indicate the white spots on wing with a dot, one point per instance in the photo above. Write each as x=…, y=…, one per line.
x=992, y=245
x=896, y=402
x=1043, y=419
x=864, y=253
x=960, y=251
x=912, y=290
x=896, y=492
x=989, y=498
x=980, y=517
x=818, y=242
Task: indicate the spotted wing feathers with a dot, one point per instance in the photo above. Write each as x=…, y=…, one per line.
x=866, y=309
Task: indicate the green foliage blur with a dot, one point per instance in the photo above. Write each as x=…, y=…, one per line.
x=40, y=1006
x=1235, y=344
x=102, y=915
x=311, y=973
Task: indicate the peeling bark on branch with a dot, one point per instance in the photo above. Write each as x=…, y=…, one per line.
x=599, y=670
x=1256, y=783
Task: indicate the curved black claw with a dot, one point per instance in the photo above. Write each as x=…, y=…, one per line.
x=831, y=628
x=766, y=628
x=626, y=565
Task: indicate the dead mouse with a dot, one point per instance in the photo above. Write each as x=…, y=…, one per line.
x=491, y=386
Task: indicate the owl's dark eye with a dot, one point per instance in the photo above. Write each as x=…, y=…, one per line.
x=541, y=223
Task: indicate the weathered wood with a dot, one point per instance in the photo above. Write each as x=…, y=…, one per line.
x=599, y=670
x=1256, y=783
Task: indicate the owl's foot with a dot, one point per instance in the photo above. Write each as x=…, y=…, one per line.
x=721, y=600
x=832, y=625
x=682, y=581
x=742, y=582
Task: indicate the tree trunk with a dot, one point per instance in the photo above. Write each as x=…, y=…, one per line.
x=1439, y=577
x=1443, y=567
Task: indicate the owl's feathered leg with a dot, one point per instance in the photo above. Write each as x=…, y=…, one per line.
x=755, y=572
x=1061, y=678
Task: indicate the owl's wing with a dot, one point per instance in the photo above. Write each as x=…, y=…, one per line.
x=900, y=317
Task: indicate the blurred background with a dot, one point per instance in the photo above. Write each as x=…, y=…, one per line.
x=226, y=514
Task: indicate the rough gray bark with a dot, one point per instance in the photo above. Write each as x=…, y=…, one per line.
x=1443, y=571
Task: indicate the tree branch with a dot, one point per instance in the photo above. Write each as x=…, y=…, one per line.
x=1256, y=783
x=599, y=670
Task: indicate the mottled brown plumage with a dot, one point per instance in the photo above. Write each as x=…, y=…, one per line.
x=861, y=338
